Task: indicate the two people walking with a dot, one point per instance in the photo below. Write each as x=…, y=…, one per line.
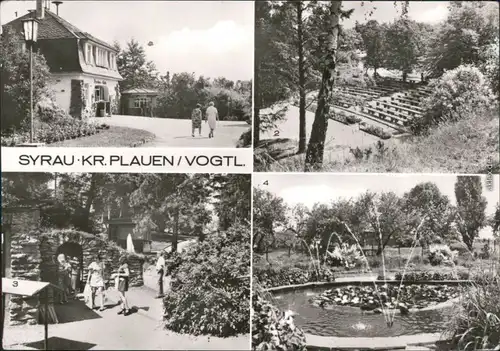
x=97, y=285
x=211, y=117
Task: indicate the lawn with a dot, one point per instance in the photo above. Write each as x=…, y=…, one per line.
x=112, y=137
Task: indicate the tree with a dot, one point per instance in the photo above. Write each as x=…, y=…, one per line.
x=136, y=70
x=425, y=200
x=385, y=213
x=471, y=206
x=495, y=220
x=469, y=27
x=292, y=21
x=316, y=147
x=270, y=85
x=374, y=43
x=403, y=40
x=26, y=189
x=269, y=212
x=15, y=80
x=232, y=199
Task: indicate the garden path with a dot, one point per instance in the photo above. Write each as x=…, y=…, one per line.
x=106, y=330
x=171, y=132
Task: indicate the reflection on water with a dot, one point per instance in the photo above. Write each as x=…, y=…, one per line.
x=351, y=321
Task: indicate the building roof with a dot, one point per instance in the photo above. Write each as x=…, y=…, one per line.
x=51, y=26
x=140, y=91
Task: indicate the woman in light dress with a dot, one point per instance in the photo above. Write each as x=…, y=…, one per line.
x=212, y=116
x=96, y=281
x=63, y=277
x=121, y=284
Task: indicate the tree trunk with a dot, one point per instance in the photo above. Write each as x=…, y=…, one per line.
x=257, y=103
x=88, y=203
x=302, y=80
x=316, y=147
x=405, y=76
x=175, y=237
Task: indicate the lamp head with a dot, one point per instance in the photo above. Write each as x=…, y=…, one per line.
x=30, y=26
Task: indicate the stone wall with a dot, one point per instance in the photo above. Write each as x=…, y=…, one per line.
x=25, y=261
x=33, y=257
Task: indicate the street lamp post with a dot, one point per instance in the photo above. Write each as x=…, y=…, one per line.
x=30, y=26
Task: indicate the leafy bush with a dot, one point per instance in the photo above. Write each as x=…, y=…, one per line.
x=459, y=93
x=274, y=330
x=490, y=60
x=441, y=254
x=476, y=325
x=210, y=288
x=345, y=255
x=16, y=82
x=377, y=131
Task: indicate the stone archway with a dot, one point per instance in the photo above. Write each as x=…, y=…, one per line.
x=33, y=256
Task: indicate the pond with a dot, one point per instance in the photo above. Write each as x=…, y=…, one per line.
x=343, y=321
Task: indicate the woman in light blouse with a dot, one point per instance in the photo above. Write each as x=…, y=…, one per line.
x=96, y=281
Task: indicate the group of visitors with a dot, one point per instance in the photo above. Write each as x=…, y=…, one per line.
x=96, y=282
x=68, y=277
x=211, y=117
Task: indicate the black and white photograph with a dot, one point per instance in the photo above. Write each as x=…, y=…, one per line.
x=125, y=261
x=375, y=262
x=127, y=73
x=377, y=86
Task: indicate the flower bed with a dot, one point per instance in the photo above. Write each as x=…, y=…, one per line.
x=374, y=130
x=368, y=298
x=61, y=130
x=345, y=118
x=417, y=276
x=280, y=276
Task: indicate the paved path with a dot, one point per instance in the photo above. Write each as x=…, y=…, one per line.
x=177, y=132
x=106, y=330
x=389, y=343
x=339, y=137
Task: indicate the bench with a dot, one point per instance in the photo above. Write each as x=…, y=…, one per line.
x=405, y=100
x=385, y=116
x=387, y=105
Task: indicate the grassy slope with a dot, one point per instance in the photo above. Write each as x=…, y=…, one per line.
x=468, y=146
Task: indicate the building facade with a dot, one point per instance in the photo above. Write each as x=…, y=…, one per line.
x=139, y=102
x=83, y=68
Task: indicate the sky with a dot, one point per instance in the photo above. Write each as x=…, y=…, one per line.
x=384, y=11
x=309, y=189
x=210, y=38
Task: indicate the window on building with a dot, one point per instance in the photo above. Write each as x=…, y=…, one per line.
x=98, y=94
x=88, y=54
x=140, y=101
